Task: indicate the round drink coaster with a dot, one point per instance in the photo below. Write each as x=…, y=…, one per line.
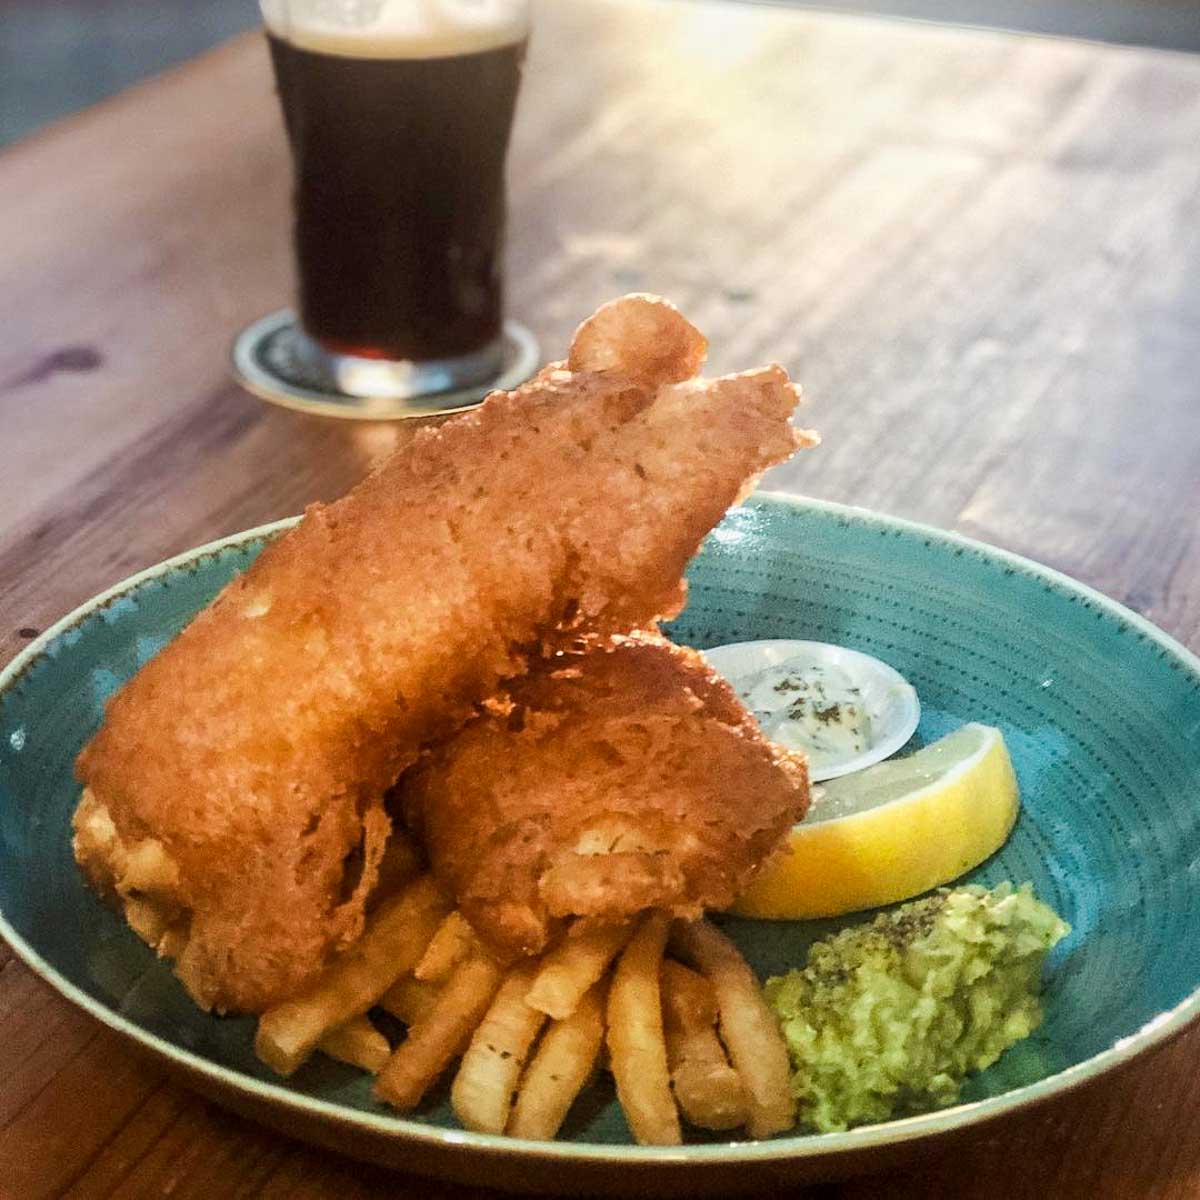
x=276, y=361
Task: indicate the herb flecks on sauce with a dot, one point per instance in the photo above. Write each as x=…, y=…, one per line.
x=810, y=707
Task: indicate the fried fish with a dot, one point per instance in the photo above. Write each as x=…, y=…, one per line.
x=623, y=778
x=234, y=795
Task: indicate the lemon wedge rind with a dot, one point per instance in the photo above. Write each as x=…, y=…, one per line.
x=949, y=821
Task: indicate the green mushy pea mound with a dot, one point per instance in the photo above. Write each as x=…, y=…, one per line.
x=887, y=1019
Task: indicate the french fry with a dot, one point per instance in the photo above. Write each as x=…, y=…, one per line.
x=452, y=943
x=358, y=1043
x=442, y=1035
x=708, y=1090
x=482, y=1093
x=410, y=1000
x=565, y=1058
x=635, y=1037
x=573, y=966
x=395, y=937
x=748, y=1027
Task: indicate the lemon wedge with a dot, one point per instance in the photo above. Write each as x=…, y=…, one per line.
x=894, y=830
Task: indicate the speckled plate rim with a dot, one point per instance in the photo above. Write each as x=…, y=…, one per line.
x=1155, y=1032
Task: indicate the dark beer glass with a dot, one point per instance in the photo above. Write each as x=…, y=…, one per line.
x=398, y=114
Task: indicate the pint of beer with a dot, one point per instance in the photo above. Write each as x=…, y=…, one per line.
x=398, y=113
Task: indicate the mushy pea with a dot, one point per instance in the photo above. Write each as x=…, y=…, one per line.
x=887, y=1019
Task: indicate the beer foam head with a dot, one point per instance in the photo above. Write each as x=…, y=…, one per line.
x=397, y=28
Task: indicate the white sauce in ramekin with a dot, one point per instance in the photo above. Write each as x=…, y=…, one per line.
x=844, y=709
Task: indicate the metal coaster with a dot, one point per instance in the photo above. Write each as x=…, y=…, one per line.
x=277, y=362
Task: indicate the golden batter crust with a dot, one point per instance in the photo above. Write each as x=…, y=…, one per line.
x=623, y=778
x=257, y=746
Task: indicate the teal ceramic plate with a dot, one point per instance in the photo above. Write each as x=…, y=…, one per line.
x=1100, y=710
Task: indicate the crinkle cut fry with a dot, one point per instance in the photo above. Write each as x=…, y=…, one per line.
x=749, y=1028
x=707, y=1089
x=562, y=1064
x=573, y=966
x=635, y=1037
x=258, y=745
x=358, y=1043
x=434, y=1042
x=483, y=1090
x=396, y=937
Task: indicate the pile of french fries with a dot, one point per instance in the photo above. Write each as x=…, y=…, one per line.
x=686, y=1035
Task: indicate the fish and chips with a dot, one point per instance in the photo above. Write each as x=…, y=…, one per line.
x=430, y=756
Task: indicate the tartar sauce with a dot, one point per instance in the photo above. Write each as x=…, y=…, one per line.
x=845, y=709
x=808, y=706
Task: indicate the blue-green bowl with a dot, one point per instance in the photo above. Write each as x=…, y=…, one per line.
x=1100, y=710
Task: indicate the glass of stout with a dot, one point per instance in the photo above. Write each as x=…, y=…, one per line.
x=398, y=114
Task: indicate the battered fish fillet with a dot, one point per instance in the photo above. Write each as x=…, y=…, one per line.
x=249, y=759
x=624, y=778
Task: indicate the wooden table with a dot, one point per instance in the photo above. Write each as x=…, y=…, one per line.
x=981, y=254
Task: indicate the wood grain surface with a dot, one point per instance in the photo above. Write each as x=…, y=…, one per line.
x=981, y=254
